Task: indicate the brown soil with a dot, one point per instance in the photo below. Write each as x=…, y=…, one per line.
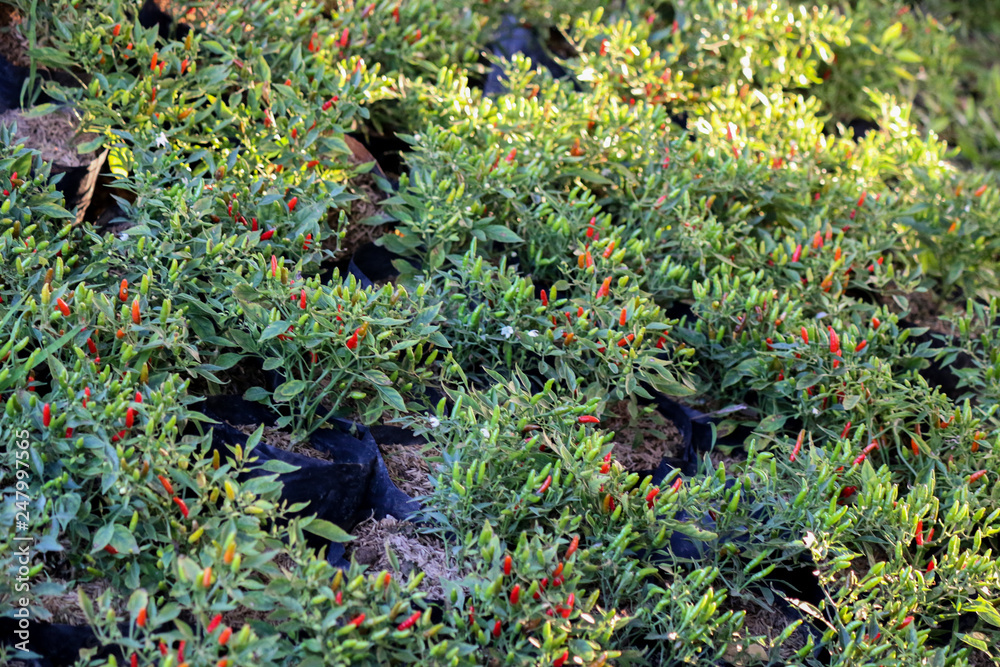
x=761, y=622
x=13, y=43
x=641, y=444
x=408, y=468
x=66, y=609
x=54, y=135
x=925, y=310
x=282, y=440
x=415, y=552
x=358, y=233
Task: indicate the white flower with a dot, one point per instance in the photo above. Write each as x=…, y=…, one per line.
x=507, y=331
x=533, y=333
x=485, y=432
x=434, y=422
x=161, y=141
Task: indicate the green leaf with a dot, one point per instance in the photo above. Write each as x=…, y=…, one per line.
x=986, y=611
x=273, y=329
x=289, y=390
x=273, y=362
x=772, y=423
x=806, y=380
x=256, y=394
x=502, y=234
x=280, y=467
x=392, y=397
x=326, y=530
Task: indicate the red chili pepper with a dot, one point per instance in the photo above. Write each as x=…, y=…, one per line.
x=676, y=486
x=136, y=313
x=862, y=198
x=931, y=565
x=561, y=660
x=352, y=342
x=123, y=291
x=623, y=317
x=184, y=65
x=63, y=308
x=604, y=47
x=834, y=342
x=345, y=38
x=545, y=485
x=302, y=300
x=46, y=415
x=224, y=637
x=181, y=504
x=292, y=203
x=906, y=622
x=180, y=651
x=340, y=597
x=588, y=419
x=607, y=251
x=214, y=623
x=573, y=545
x=166, y=485
x=274, y=266
x=798, y=445
x=138, y=397
x=651, y=496
x=129, y=417
x=798, y=253
x=848, y=491
x=865, y=452
x=817, y=242
x=496, y=629
x=507, y=562
x=805, y=336
x=140, y=619
x=163, y=648
x=515, y=594
x=133, y=661
x=408, y=623
x=980, y=190
x=847, y=427
x=930, y=535
x=914, y=447
x=876, y=323
x=604, y=288
x=117, y=29
x=860, y=346
x=976, y=476
x=511, y=155
x=86, y=396
x=111, y=550
x=152, y=64
x=357, y=620
x=545, y=298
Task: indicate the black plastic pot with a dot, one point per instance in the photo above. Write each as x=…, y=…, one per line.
x=77, y=183
x=346, y=487
x=59, y=644
x=514, y=37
